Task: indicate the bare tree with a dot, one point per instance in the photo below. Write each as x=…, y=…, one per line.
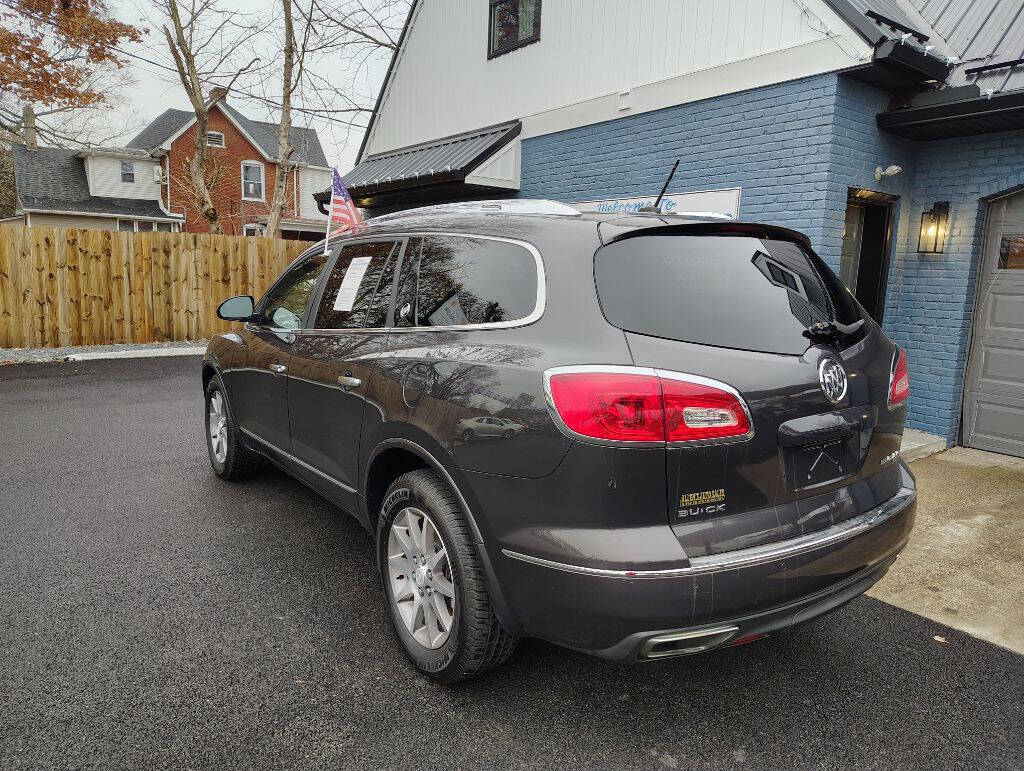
x=204, y=42
x=293, y=60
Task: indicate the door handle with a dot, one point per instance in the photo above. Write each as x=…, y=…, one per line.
x=349, y=382
x=278, y=369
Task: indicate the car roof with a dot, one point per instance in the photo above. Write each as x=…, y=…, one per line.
x=526, y=220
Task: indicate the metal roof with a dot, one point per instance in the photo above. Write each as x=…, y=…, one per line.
x=448, y=159
x=980, y=32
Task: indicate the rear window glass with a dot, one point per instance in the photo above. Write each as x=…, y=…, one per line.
x=729, y=291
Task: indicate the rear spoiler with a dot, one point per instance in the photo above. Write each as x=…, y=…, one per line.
x=749, y=229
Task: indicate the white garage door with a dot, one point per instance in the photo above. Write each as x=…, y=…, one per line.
x=994, y=404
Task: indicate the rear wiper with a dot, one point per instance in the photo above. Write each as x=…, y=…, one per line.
x=830, y=330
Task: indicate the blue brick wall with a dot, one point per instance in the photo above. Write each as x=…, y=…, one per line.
x=932, y=296
x=774, y=142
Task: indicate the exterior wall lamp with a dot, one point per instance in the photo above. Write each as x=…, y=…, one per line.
x=934, y=229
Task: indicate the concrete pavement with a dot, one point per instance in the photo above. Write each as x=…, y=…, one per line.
x=964, y=565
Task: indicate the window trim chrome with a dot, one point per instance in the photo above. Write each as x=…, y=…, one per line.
x=622, y=369
x=534, y=316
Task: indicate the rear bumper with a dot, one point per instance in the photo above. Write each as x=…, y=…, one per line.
x=707, y=601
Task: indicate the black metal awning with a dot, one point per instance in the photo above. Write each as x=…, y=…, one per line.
x=957, y=117
x=427, y=172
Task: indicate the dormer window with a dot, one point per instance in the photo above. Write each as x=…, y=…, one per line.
x=513, y=24
x=215, y=138
x=128, y=172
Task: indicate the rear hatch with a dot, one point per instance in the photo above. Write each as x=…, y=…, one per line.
x=736, y=307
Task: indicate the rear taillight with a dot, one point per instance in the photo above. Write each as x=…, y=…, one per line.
x=899, y=382
x=606, y=405
x=635, y=404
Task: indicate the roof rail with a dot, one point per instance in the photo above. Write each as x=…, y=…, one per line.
x=504, y=206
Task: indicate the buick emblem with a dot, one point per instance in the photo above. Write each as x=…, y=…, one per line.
x=832, y=377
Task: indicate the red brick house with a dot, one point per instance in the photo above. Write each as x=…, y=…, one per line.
x=241, y=152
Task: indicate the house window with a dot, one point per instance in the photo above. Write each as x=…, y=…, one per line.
x=252, y=230
x=144, y=226
x=128, y=171
x=126, y=225
x=513, y=24
x=252, y=180
x=215, y=138
x=164, y=227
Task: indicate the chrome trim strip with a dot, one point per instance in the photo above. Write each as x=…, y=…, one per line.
x=296, y=461
x=538, y=309
x=744, y=558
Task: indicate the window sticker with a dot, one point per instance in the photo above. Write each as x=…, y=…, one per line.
x=346, y=296
x=449, y=313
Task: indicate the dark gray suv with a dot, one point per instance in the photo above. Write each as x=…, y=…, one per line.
x=635, y=436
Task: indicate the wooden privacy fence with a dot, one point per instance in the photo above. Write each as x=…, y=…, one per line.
x=65, y=286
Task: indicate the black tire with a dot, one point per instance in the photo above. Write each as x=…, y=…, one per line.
x=239, y=462
x=477, y=642
x=509, y=434
x=467, y=435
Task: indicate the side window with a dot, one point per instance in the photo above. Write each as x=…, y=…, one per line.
x=405, y=302
x=465, y=280
x=358, y=291
x=286, y=303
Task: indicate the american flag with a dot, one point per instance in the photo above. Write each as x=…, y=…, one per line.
x=344, y=215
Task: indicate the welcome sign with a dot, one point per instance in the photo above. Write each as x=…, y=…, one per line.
x=725, y=201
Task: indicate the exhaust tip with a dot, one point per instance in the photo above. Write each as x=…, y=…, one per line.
x=686, y=643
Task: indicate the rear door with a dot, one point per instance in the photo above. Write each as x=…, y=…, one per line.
x=736, y=309
x=333, y=363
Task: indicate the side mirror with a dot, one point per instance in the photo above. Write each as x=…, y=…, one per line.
x=236, y=308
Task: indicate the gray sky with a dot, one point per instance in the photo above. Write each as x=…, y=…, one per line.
x=155, y=92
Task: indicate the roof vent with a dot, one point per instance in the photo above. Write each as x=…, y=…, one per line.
x=509, y=206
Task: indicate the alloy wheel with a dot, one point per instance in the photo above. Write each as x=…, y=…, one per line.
x=422, y=586
x=217, y=427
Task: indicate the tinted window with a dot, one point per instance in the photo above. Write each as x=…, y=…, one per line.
x=286, y=303
x=358, y=291
x=453, y=281
x=730, y=291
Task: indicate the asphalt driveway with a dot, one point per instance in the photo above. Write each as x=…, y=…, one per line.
x=151, y=614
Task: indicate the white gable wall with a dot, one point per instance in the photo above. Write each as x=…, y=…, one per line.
x=311, y=181
x=655, y=53
x=104, y=174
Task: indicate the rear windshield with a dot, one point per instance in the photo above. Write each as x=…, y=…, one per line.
x=730, y=291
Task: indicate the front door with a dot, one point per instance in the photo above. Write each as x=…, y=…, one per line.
x=864, y=263
x=333, y=362
x=259, y=395
x=994, y=402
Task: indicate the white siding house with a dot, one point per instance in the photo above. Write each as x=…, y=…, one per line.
x=596, y=60
x=311, y=180
x=89, y=189
x=139, y=179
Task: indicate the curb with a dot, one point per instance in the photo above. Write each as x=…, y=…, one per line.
x=141, y=353
x=923, y=450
